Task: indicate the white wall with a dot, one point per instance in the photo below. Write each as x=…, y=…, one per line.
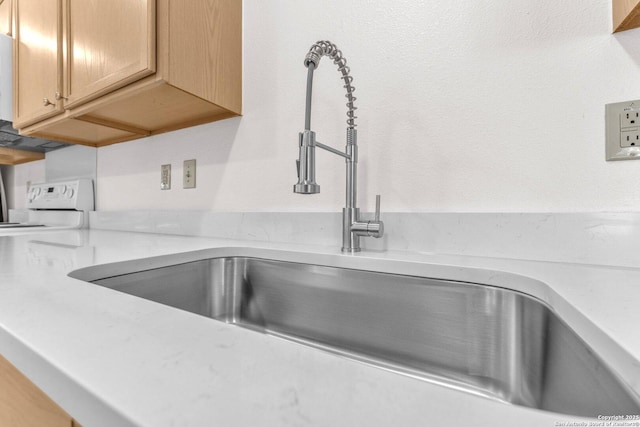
x=18, y=179
x=481, y=105
x=72, y=162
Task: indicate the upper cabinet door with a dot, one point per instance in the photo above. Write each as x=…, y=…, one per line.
x=37, y=61
x=5, y=17
x=109, y=45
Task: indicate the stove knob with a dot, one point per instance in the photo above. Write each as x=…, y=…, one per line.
x=69, y=193
x=62, y=189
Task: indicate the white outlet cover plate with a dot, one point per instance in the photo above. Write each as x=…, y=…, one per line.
x=617, y=125
x=165, y=177
x=189, y=174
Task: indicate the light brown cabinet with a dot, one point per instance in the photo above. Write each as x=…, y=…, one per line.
x=23, y=404
x=109, y=45
x=626, y=14
x=6, y=15
x=12, y=156
x=68, y=52
x=37, y=58
x=125, y=69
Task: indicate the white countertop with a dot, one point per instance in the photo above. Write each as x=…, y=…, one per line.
x=111, y=359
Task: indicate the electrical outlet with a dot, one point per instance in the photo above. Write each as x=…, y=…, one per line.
x=622, y=124
x=630, y=119
x=189, y=174
x=630, y=138
x=165, y=177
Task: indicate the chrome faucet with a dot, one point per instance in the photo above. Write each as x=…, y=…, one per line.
x=352, y=226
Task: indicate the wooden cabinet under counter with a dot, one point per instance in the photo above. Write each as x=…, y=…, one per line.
x=187, y=71
x=23, y=404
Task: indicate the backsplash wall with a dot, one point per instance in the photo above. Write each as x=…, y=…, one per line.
x=18, y=178
x=463, y=106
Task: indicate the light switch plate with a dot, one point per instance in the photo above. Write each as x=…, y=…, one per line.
x=165, y=177
x=189, y=174
x=622, y=124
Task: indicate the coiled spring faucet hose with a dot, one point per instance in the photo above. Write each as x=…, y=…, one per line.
x=312, y=61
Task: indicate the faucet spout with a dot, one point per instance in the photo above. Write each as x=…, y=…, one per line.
x=352, y=226
x=307, y=164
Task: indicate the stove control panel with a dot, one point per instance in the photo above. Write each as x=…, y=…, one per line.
x=76, y=195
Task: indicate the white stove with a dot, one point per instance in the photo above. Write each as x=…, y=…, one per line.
x=53, y=206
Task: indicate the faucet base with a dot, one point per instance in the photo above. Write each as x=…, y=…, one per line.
x=351, y=251
x=350, y=240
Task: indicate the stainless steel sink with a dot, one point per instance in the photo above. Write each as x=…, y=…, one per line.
x=490, y=341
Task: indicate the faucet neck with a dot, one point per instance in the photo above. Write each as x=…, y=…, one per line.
x=351, y=150
x=307, y=110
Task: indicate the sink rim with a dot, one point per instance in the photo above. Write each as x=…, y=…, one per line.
x=621, y=363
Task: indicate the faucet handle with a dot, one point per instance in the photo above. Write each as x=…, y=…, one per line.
x=298, y=167
x=377, y=219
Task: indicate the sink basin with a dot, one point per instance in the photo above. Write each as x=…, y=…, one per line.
x=485, y=340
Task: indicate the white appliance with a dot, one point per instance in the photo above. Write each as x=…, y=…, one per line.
x=54, y=206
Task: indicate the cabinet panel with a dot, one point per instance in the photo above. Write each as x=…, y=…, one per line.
x=37, y=60
x=5, y=17
x=213, y=27
x=158, y=109
x=23, y=404
x=11, y=156
x=81, y=132
x=626, y=14
x=109, y=45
